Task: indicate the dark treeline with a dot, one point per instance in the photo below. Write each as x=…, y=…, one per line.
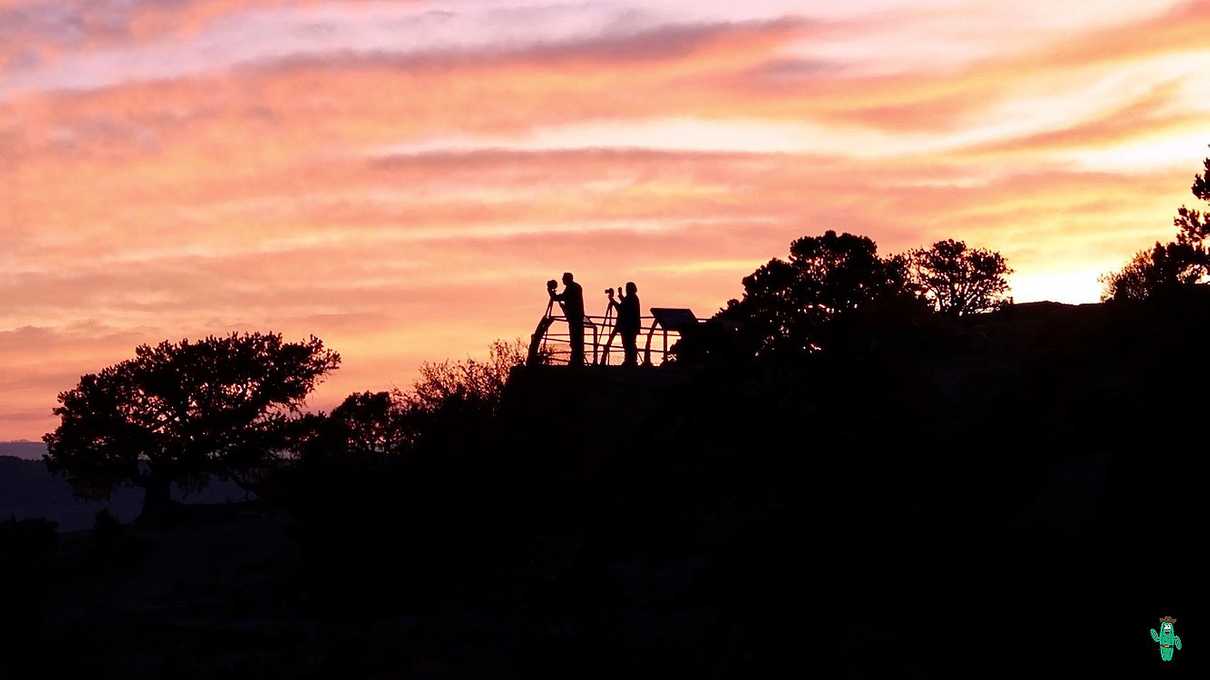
x=867, y=466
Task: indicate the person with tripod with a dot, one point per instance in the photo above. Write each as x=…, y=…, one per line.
x=629, y=321
x=572, y=302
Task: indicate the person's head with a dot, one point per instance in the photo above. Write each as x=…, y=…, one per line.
x=567, y=278
x=631, y=289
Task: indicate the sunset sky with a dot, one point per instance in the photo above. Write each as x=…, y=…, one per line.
x=401, y=178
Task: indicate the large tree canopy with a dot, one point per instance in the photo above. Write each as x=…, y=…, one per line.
x=788, y=306
x=183, y=412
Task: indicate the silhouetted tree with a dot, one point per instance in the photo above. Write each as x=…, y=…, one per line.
x=958, y=280
x=366, y=425
x=1193, y=225
x=1164, y=268
x=1169, y=267
x=789, y=305
x=184, y=412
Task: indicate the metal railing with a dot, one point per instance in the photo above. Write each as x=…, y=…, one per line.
x=551, y=341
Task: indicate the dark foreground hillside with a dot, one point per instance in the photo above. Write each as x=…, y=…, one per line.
x=29, y=490
x=1020, y=495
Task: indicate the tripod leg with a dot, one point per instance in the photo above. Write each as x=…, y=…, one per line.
x=535, y=340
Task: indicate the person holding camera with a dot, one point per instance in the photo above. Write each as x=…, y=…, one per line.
x=629, y=321
x=572, y=302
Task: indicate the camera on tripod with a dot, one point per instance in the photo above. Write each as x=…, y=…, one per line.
x=609, y=291
x=551, y=285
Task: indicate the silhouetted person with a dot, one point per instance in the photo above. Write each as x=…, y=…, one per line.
x=629, y=322
x=572, y=301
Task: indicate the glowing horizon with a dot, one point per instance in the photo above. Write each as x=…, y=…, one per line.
x=400, y=178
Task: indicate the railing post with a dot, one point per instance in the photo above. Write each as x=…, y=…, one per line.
x=647, y=347
x=594, y=342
